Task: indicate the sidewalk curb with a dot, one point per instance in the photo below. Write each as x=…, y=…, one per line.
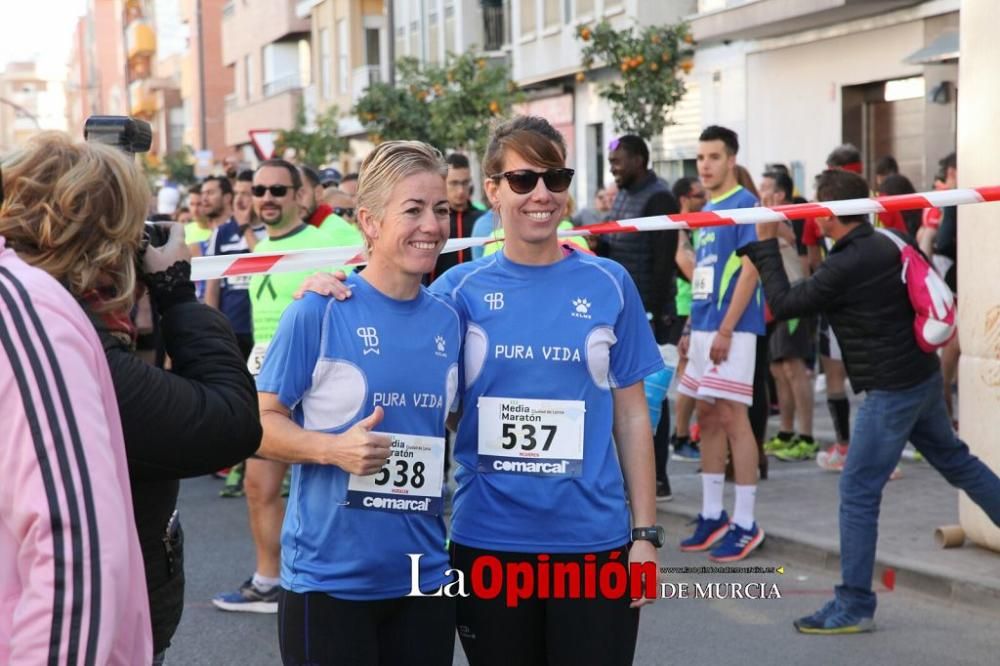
x=910, y=576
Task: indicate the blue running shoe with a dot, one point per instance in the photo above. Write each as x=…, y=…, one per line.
x=706, y=533
x=831, y=620
x=737, y=544
x=248, y=599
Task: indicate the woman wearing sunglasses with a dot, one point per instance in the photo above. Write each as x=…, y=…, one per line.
x=556, y=349
x=367, y=481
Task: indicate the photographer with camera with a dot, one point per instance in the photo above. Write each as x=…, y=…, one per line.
x=76, y=210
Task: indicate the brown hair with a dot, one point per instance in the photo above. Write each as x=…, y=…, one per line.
x=744, y=178
x=531, y=137
x=76, y=210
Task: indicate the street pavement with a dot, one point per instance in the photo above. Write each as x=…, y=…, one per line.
x=944, y=608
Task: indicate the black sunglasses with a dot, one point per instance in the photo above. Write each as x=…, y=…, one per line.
x=276, y=191
x=523, y=181
x=344, y=212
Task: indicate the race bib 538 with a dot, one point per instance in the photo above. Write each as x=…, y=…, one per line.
x=411, y=481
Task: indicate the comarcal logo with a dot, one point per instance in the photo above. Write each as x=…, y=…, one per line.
x=439, y=344
x=581, y=308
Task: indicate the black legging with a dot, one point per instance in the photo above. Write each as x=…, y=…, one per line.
x=543, y=632
x=315, y=628
x=761, y=408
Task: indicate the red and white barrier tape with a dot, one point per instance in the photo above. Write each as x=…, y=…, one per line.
x=207, y=268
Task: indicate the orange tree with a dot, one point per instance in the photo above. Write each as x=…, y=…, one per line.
x=650, y=63
x=449, y=106
x=315, y=146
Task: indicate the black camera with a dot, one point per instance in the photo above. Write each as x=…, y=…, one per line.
x=129, y=134
x=132, y=136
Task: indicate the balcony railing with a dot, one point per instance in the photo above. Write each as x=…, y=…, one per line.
x=362, y=77
x=281, y=84
x=496, y=26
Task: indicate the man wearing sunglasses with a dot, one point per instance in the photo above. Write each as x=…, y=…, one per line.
x=278, y=198
x=463, y=215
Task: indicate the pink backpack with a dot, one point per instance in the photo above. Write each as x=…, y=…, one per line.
x=932, y=300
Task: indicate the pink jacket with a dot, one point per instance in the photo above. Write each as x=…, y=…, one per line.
x=72, y=587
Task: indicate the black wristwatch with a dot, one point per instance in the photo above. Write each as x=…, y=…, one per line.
x=656, y=535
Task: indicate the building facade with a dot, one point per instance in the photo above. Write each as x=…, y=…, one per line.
x=797, y=79
x=31, y=100
x=265, y=46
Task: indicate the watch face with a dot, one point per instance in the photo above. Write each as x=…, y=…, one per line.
x=655, y=535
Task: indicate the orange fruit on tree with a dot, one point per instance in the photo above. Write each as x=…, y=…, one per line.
x=581, y=77
x=494, y=107
x=585, y=34
x=624, y=67
x=653, y=66
x=639, y=60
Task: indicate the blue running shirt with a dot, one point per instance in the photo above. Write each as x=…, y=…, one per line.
x=331, y=363
x=718, y=268
x=234, y=292
x=544, y=347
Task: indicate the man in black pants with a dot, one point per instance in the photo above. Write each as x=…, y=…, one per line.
x=648, y=257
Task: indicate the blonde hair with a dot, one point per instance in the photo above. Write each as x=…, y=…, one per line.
x=76, y=210
x=385, y=166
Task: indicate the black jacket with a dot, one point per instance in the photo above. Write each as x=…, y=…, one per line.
x=648, y=257
x=859, y=289
x=461, y=227
x=195, y=419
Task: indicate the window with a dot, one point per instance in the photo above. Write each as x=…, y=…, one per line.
x=527, y=16
x=584, y=8
x=343, y=51
x=305, y=62
x=247, y=77
x=373, y=51
x=415, y=40
x=433, y=38
x=550, y=13
x=325, y=64
x=449, y=26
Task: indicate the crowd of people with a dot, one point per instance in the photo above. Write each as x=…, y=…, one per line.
x=350, y=392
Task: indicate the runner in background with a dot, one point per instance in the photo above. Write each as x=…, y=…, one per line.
x=358, y=509
x=690, y=194
x=277, y=192
x=727, y=316
x=790, y=344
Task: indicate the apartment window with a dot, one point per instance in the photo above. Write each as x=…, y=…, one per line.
x=550, y=13
x=415, y=40
x=433, y=38
x=305, y=62
x=325, y=63
x=373, y=50
x=400, y=41
x=343, y=49
x=247, y=77
x=527, y=16
x=584, y=8
x=449, y=26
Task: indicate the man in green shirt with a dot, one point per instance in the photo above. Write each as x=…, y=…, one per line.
x=277, y=195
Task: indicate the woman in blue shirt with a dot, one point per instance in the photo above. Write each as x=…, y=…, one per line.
x=556, y=349
x=364, y=511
